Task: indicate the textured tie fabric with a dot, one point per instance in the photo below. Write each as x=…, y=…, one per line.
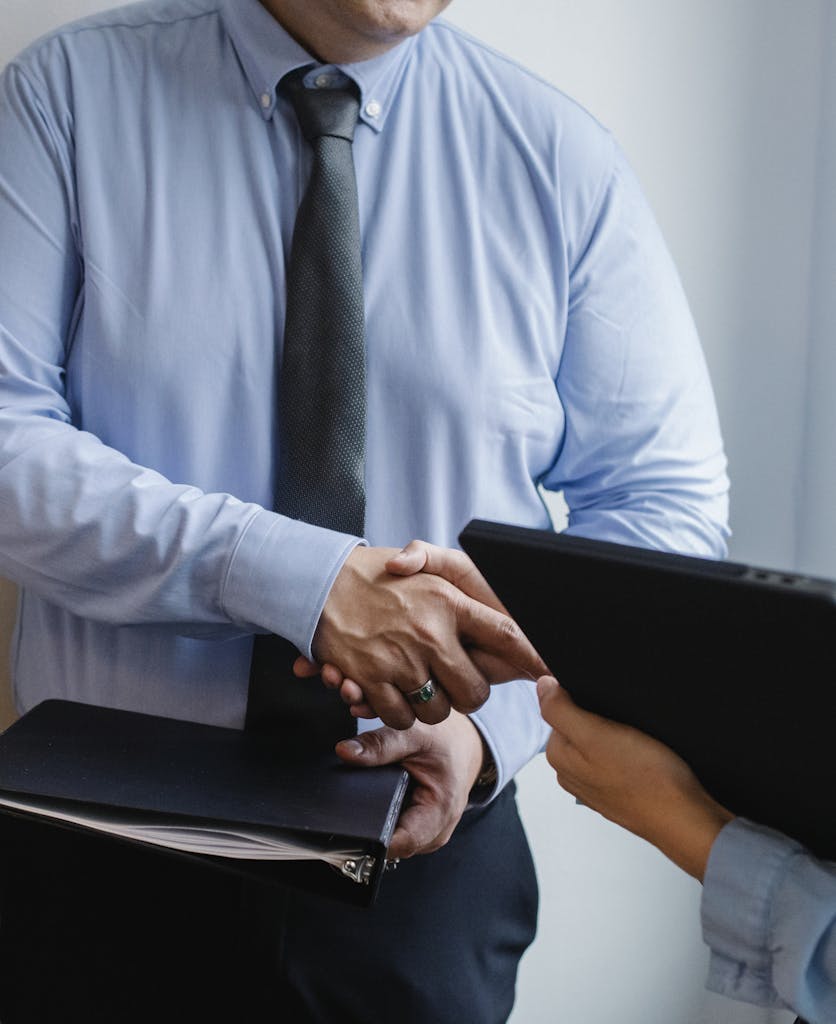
x=322, y=407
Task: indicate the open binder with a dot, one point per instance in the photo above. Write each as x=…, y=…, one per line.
x=730, y=664
x=219, y=795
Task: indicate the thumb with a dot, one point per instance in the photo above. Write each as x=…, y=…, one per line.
x=409, y=560
x=450, y=564
x=380, y=746
x=551, y=697
x=563, y=714
x=547, y=688
x=555, y=702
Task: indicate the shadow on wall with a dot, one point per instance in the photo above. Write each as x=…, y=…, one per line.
x=8, y=601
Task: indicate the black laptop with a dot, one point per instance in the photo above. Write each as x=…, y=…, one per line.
x=732, y=665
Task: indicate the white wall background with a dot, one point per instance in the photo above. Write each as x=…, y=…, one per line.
x=726, y=109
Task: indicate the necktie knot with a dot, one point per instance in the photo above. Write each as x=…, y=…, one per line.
x=320, y=112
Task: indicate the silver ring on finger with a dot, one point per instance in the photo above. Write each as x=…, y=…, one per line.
x=423, y=694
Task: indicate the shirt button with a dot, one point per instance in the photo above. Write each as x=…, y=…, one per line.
x=373, y=108
x=321, y=81
x=265, y=100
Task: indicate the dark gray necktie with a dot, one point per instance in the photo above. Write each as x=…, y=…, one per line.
x=322, y=397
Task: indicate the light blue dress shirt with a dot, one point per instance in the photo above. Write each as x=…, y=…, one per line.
x=525, y=326
x=769, y=918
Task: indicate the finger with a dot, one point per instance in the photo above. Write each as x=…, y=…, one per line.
x=449, y=563
x=331, y=676
x=390, y=705
x=461, y=684
x=422, y=828
x=351, y=693
x=548, y=690
x=381, y=746
x=494, y=669
x=562, y=713
x=395, y=708
x=561, y=753
x=546, y=685
x=304, y=668
x=432, y=709
x=498, y=634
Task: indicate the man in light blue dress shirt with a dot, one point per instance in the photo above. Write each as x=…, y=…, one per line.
x=525, y=328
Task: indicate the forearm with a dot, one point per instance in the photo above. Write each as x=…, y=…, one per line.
x=91, y=531
x=685, y=830
x=86, y=527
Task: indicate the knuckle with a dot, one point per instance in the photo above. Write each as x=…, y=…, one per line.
x=374, y=743
x=473, y=698
x=445, y=594
x=508, y=631
x=445, y=829
x=409, y=842
x=436, y=715
x=467, y=707
x=400, y=718
x=556, y=750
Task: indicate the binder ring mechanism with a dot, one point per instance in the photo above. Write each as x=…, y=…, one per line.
x=359, y=869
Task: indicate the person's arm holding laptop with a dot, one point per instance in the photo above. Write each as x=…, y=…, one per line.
x=768, y=906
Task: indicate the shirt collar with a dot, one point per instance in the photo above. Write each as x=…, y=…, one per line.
x=267, y=52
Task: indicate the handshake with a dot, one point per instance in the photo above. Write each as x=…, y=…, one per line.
x=409, y=636
x=412, y=634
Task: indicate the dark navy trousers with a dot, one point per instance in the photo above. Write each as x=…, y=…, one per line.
x=96, y=932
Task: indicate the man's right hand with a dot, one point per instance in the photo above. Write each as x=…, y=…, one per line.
x=391, y=633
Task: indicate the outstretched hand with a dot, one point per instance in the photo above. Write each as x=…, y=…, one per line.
x=391, y=623
x=631, y=779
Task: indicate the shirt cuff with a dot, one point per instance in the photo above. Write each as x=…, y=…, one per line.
x=513, y=730
x=745, y=868
x=280, y=575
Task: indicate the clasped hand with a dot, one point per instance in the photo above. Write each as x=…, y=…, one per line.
x=395, y=619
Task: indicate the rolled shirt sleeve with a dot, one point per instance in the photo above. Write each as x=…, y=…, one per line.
x=769, y=919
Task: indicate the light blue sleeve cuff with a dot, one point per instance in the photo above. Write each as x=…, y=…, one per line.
x=280, y=575
x=745, y=868
x=513, y=729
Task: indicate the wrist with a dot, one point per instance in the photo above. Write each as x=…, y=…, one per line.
x=689, y=833
x=484, y=782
